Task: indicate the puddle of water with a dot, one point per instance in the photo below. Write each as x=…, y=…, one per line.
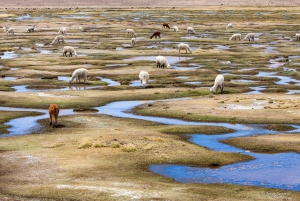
x=116, y=65
x=183, y=77
x=74, y=16
x=9, y=55
x=242, y=81
x=14, y=68
x=44, y=51
x=172, y=59
x=109, y=81
x=29, y=17
x=193, y=83
x=222, y=47
x=256, y=90
x=73, y=40
x=39, y=44
x=284, y=80
x=8, y=78
x=119, y=48
x=258, y=172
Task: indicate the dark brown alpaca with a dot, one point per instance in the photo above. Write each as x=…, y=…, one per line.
x=166, y=25
x=155, y=34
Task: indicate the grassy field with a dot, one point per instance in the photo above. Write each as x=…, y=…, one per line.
x=99, y=157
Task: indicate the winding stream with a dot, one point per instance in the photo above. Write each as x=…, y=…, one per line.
x=267, y=170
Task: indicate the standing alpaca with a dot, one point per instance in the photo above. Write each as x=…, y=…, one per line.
x=162, y=62
x=219, y=84
x=144, y=77
x=229, y=25
x=175, y=28
x=165, y=25
x=9, y=31
x=69, y=49
x=249, y=36
x=133, y=42
x=53, y=114
x=235, y=37
x=58, y=39
x=155, y=34
x=30, y=29
x=79, y=73
x=297, y=36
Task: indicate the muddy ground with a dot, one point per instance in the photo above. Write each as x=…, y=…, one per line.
x=99, y=157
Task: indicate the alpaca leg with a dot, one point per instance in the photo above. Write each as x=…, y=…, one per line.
x=50, y=120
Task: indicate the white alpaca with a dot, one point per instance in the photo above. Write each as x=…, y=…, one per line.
x=63, y=31
x=58, y=39
x=249, y=36
x=219, y=84
x=133, y=42
x=81, y=29
x=162, y=62
x=175, y=28
x=184, y=46
x=297, y=36
x=229, y=25
x=191, y=30
x=30, y=29
x=9, y=31
x=144, y=77
x=235, y=37
x=130, y=32
x=69, y=49
x=79, y=73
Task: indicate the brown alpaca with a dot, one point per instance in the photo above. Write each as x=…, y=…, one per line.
x=53, y=114
x=166, y=25
x=155, y=34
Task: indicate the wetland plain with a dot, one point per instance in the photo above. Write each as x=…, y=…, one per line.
x=98, y=154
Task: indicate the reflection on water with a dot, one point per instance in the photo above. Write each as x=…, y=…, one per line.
x=9, y=55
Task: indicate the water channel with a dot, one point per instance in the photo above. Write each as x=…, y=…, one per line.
x=267, y=170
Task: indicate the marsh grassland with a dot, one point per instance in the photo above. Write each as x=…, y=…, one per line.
x=100, y=157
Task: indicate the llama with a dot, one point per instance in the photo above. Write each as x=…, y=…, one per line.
x=184, y=46
x=219, y=84
x=144, y=77
x=155, y=34
x=69, y=49
x=77, y=74
x=53, y=115
x=166, y=25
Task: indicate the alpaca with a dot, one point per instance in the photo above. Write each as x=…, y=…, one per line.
x=162, y=62
x=191, y=30
x=30, y=29
x=144, y=77
x=229, y=25
x=9, y=31
x=53, y=114
x=155, y=34
x=235, y=37
x=249, y=36
x=165, y=25
x=130, y=32
x=175, y=28
x=58, y=39
x=63, y=31
x=79, y=73
x=133, y=42
x=184, y=46
x=69, y=49
x=219, y=84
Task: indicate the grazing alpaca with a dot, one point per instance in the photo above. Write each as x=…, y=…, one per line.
x=175, y=28
x=58, y=39
x=9, y=31
x=79, y=73
x=155, y=34
x=53, y=114
x=219, y=84
x=165, y=25
x=235, y=37
x=229, y=25
x=191, y=30
x=184, y=46
x=162, y=62
x=144, y=77
x=30, y=29
x=249, y=36
x=69, y=49
x=130, y=32
x=63, y=31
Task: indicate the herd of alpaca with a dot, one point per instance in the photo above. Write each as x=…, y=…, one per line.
x=161, y=61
